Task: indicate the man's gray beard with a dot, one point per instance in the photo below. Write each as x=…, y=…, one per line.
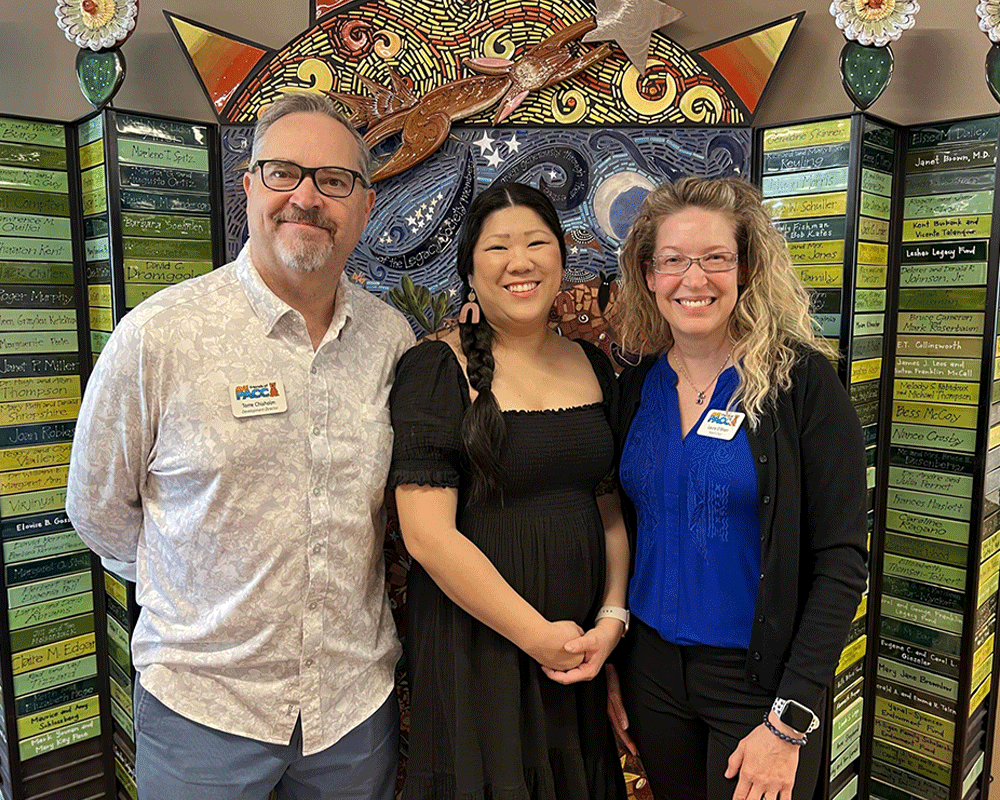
x=302, y=257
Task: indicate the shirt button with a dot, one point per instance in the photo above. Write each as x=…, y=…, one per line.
x=312, y=606
x=291, y=708
x=309, y=663
x=762, y=459
x=318, y=549
x=316, y=492
x=762, y=576
x=756, y=655
x=754, y=678
x=316, y=430
x=760, y=618
x=766, y=499
x=313, y=370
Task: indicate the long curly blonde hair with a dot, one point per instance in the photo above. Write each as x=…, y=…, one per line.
x=771, y=321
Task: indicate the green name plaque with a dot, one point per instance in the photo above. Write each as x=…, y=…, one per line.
x=942, y=274
x=32, y=132
x=949, y=483
x=942, y=205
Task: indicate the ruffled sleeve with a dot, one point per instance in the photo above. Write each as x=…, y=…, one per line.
x=427, y=402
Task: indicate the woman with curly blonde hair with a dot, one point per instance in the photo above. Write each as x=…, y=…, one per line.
x=744, y=492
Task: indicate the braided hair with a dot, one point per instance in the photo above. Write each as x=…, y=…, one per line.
x=484, y=433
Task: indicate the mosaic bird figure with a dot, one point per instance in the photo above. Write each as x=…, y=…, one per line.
x=424, y=123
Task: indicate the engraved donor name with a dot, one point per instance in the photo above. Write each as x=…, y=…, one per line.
x=926, y=414
x=933, y=502
x=21, y=365
x=53, y=297
x=923, y=526
x=44, y=433
x=932, y=344
x=176, y=157
x=28, y=226
x=812, y=204
x=944, y=157
x=34, y=249
x=938, y=437
x=950, y=226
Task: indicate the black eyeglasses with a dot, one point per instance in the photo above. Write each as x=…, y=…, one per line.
x=285, y=176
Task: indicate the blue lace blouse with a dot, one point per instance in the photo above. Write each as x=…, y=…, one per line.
x=697, y=560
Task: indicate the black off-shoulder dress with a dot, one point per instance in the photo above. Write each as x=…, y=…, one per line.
x=485, y=721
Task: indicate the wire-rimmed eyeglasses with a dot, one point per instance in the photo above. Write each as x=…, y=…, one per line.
x=285, y=176
x=676, y=264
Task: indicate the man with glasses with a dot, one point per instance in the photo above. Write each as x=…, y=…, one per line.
x=233, y=444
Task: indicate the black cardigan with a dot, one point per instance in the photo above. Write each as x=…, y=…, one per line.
x=810, y=458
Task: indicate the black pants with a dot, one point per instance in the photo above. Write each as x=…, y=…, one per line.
x=688, y=707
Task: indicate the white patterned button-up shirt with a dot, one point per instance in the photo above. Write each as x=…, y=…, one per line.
x=257, y=540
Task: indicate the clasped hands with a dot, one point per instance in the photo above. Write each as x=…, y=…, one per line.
x=568, y=654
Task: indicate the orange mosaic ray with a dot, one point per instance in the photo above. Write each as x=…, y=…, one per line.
x=221, y=61
x=747, y=62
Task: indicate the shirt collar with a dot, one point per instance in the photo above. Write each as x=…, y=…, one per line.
x=269, y=308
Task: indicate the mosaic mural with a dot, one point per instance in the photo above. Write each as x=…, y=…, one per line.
x=513, y=91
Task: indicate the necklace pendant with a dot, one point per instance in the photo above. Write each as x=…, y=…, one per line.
x=701, y=398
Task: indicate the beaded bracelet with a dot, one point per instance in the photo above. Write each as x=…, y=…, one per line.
x=784, y=737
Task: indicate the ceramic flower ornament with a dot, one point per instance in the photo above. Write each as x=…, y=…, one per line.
x=98, y=28
x=97, y=24
x=989, y=19
x=989, y=23
x=874, y=22
x=869, y=26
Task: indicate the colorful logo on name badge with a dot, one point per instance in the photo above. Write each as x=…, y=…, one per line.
x=719, y=424
x=254, y=398
x=250, y=391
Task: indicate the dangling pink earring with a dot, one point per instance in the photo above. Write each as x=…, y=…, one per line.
x=469, y=315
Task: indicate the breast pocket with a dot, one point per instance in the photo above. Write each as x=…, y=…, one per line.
x=375, y=447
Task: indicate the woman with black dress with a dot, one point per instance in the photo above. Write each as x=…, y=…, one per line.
x=501, y=468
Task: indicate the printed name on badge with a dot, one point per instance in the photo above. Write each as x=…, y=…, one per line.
x=254, y=398
x=721, y=424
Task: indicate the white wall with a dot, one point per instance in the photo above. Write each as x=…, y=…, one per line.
x=939, y=64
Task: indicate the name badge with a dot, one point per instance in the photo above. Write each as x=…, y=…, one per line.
x=721, y=424
x=255, y=398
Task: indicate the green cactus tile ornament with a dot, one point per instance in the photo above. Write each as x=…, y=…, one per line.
x=865, y=71
x=100, y=75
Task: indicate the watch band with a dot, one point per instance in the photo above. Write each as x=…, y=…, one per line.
x=795, y=715
x=615, y=612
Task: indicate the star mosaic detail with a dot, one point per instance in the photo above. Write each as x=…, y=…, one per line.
x=489, y=148
x=630, y=23
x=418, y=218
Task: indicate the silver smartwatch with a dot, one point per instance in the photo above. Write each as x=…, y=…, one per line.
x=795, y=715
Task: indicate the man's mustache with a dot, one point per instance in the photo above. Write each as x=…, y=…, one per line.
x=307, y=217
